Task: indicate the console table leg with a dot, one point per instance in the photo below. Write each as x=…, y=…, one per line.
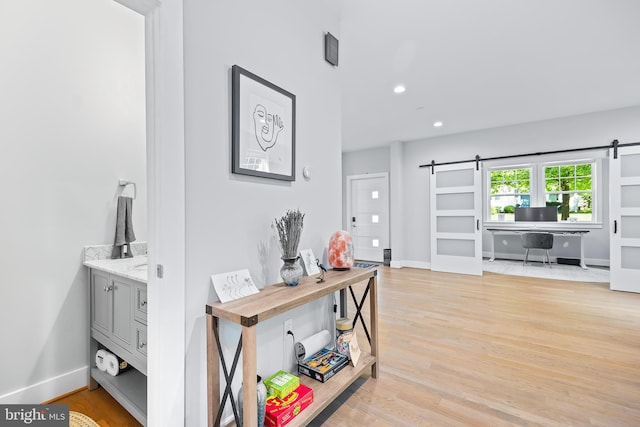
x=373, y=321
x=213, y=369
x=249, y=375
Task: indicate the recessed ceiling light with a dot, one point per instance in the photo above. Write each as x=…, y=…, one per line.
x=437, y=124
x=399, y=89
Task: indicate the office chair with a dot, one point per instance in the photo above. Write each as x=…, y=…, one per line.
x=537, y=241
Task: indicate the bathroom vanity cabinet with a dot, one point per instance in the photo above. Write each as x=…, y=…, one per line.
x=118, y=323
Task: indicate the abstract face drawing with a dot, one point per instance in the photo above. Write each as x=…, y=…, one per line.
x=267, y=127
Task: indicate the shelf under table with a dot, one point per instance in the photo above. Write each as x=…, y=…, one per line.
x=270, y=302
x=128, y=388
x=325, y=393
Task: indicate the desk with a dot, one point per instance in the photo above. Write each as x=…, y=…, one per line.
x=555, y=231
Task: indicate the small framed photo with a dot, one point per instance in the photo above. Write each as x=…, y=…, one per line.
x=310, y=262
x=264, y=127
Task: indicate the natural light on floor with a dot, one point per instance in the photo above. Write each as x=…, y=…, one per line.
x=556, y=271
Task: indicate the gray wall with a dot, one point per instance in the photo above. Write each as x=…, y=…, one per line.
x=571, y=132
x=72, y=122
x=229, y=216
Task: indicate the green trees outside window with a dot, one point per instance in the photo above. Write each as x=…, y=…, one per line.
x=570, y=188
x=510, y=188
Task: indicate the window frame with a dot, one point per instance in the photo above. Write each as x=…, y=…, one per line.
x=532, y=187
x=538, y=188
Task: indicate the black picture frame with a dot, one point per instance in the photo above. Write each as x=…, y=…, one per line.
x=263, y=127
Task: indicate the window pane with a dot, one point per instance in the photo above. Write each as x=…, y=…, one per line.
x=510, y=181
x=503, y=207
x=523, y=174
x=583, y=170
x=551, y=172
x=567, y=170
x=571, y=191
x=496, y=176
x=571, y=206
x=583, y=183
x=552, y=185
x=568, y=184
x=509, y=187
x=583, y=203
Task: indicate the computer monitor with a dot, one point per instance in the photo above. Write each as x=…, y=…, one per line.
x=547, y=213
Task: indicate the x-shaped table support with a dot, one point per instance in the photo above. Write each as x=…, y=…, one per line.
x=359, y=309
x=228, y=377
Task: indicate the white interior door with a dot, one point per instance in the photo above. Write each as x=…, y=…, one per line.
x=456, y=210
x=368, y=216
x=625, y=220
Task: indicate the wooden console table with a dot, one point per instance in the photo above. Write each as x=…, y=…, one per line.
x=270, y=302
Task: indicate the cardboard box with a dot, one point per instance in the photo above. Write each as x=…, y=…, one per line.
x=279, y=412
x=323, y=365
x=281, y=384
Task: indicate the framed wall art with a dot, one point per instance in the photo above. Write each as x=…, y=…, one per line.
x=264, y=127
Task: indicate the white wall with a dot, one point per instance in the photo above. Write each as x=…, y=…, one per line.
x=229, y=216
x=71, y=124
x=571, y=132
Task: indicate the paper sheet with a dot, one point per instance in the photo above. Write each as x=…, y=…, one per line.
x=233, y=285
x=309, y=261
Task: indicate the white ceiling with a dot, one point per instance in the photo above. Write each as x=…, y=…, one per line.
x=477, y=64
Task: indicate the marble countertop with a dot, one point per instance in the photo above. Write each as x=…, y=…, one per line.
x=135, y=268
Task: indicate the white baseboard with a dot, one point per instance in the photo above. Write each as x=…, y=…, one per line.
x=48, y=389
x=411, y=264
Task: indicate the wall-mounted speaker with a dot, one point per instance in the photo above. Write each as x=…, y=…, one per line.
x=331, y=49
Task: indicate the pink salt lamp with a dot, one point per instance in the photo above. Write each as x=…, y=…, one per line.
x=341, y=250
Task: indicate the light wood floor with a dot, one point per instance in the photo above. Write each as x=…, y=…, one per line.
x=492, y=351
x=498, y=350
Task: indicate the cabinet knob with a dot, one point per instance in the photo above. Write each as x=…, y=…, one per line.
x=143, y=344
x=143, y=303
x=108, y=288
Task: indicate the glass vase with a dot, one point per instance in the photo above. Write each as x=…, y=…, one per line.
x=291, y=271
x=262, y=402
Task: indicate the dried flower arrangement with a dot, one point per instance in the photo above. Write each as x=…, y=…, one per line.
x=289, y=228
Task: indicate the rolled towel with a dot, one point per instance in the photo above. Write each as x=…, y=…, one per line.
x=100, y=362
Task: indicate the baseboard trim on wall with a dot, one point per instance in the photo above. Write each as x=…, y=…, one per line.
x=411, y=264
x=48, y=389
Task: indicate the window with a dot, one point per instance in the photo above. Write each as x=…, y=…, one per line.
x=570, y=188
x=510, y=188
x=568, y=185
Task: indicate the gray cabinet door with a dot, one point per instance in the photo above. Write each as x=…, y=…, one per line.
x=122, y=312
x=100, y=302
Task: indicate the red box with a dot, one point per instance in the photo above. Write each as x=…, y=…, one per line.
x=281, y=411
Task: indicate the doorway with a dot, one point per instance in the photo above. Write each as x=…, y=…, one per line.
x=164, y=47
x=368, y=215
